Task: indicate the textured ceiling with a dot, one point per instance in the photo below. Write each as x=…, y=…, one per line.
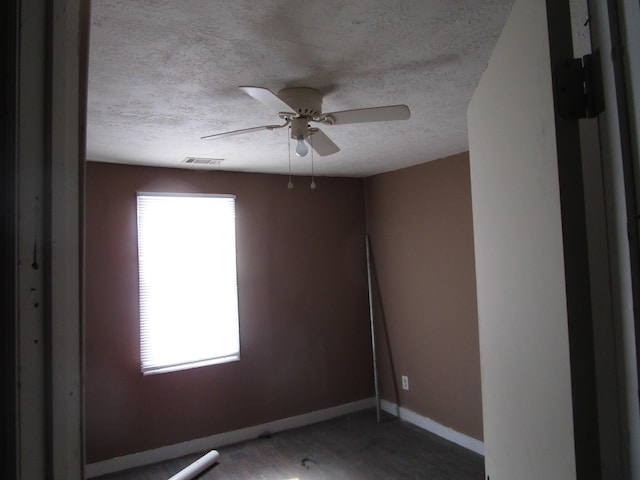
x=164, y=73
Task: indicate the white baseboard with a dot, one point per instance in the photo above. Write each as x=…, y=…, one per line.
x=214, y=441
x=434, y=427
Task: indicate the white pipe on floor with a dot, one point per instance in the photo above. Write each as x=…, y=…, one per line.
x=197, y=467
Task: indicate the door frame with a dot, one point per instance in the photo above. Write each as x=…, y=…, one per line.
x=619, y=48
x=49, y=69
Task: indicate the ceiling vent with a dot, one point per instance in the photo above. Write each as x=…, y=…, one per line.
x=203, y=161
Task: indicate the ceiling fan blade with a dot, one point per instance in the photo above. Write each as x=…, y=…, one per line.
x=322, y=144
x=374, y=114
x=238, y=132
x=268, y=98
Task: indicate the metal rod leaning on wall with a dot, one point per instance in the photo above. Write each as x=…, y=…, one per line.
x=373, y=333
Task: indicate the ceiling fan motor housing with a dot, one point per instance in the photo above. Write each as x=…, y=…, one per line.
x=306, y=102
x=300, y=128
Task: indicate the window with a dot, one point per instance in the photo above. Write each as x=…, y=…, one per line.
x=188, y=281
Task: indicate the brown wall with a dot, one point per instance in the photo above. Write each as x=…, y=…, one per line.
x=420, y=224
x=302, y=300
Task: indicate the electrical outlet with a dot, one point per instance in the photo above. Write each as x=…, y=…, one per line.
x=405, y=382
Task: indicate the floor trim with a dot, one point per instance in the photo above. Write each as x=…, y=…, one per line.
x=434, y=427
x=215, y=441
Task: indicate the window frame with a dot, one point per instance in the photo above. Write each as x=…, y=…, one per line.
x=150, y=368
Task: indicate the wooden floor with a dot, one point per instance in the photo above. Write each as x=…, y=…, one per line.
x=354, y=447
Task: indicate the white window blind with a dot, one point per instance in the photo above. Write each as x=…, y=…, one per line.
x=188, y=281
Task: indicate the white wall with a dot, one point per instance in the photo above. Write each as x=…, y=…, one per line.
x=522, y=306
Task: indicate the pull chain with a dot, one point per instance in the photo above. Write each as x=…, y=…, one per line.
x=290, y=184
x=313, y=180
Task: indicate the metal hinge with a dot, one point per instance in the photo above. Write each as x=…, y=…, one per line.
x=579, y=87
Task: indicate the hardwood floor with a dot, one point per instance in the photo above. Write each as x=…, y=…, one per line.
x=353, y=447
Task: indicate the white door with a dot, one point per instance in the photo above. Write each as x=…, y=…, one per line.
x=531, y=262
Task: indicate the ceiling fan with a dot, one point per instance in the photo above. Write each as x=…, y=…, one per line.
x=298, y=106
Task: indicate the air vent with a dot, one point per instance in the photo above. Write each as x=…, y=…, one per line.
x=203, y=161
